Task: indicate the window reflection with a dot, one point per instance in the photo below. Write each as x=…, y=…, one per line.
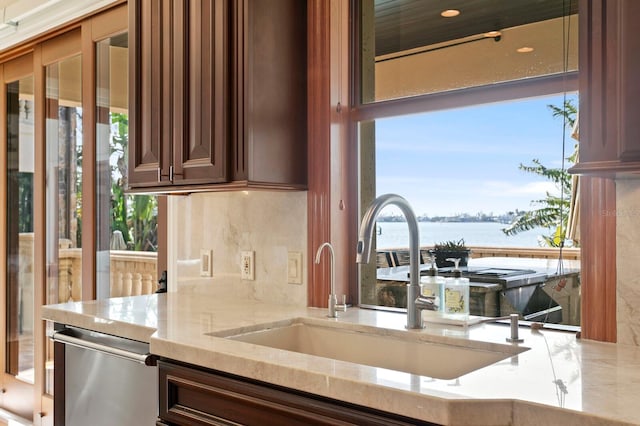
x=20, y=231
x=487, y=42
x=126, y=224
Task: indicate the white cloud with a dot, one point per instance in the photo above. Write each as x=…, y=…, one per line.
x=510, y=189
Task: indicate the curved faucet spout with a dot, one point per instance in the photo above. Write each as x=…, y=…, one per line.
x=363, y=251
x=333, y=299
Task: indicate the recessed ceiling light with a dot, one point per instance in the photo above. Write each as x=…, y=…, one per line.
x=449, y=13
x=525, y=49
x=493, y=34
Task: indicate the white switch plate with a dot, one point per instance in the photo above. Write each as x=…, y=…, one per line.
x=206, y=262
x=247, y=265
x=294, y=267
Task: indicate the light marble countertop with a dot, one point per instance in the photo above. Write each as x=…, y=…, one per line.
x=558, y=380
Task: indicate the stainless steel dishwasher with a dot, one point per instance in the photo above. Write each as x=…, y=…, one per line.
x=108, y=380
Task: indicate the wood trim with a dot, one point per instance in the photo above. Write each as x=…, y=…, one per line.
x=112, y=22
x=62, y=47
x=39, y=205
x=59, y=383
x=17, y=69
x=598, y=258
x=3, y=226
x=89, y=243
x=538, y=86
x=319, y=149
x=610, y=168
x=344, y=153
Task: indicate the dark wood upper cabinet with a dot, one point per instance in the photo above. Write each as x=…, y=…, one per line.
x=217, y=95
x=609, y=88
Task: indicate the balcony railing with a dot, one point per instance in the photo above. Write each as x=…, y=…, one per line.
x=131, y=273
x=400, y=256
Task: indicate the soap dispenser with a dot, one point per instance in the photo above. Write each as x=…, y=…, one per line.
x=456, y=293
x=432, y=285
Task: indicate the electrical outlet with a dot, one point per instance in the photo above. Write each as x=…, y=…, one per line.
x=247, y=265
x=206, y=262
x=294, y=267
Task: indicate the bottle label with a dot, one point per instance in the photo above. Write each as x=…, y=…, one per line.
x=454, y=301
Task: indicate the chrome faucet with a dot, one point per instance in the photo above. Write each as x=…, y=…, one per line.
x=333, y=299
x=415, y=302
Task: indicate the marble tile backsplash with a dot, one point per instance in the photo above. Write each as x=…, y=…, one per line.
x=269, y=223
x=628, y=267
x=274, y=223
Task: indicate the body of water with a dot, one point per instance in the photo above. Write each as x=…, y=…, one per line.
x=396, y=234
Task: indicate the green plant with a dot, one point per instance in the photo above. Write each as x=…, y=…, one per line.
x=134, y=215
x=445, y=250
x=553, y=211
x=451, y=245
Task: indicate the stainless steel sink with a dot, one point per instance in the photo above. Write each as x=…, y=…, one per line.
x=410, y=352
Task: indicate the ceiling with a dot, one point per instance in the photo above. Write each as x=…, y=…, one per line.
x=407, y=24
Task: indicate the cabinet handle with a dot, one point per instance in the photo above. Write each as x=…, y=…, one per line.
x=171, y=173
x=159, y=175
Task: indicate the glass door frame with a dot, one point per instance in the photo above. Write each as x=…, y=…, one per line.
x=15, y=394
x=32, y=401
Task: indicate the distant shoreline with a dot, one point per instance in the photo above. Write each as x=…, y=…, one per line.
x=487, y=233
x=450, y=219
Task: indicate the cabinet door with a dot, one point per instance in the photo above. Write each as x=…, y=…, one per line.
x=201, y=135
x=193, y=396
x=609, y=87
x=270, y=98
x=629, y=148
x=149, y=100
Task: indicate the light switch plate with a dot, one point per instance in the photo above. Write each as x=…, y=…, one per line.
x=294, y=267
x=206, y=262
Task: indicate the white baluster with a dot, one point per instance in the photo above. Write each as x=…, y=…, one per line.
x=127, y=284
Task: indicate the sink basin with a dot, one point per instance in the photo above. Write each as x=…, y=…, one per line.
x=410, y=352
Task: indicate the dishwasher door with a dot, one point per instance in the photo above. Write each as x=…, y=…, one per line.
x=108, y=380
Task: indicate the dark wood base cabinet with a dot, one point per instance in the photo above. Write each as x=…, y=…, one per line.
x=194, y=396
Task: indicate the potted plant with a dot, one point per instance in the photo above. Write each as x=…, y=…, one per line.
x=451, y=249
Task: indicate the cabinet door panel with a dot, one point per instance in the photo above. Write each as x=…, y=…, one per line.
x=609, y=88
x=190, y=396
x=629, y=82
x=145, y=91
x=202, y=156
x=270, y=67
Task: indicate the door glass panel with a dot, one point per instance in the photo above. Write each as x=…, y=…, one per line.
x=64, y=180
x=63, y=133
x=126, y=224
x=20, y=231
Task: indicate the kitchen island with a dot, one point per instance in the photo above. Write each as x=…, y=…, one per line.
x=558, y=380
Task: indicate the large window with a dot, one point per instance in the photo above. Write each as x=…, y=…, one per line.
x=126, y=224
x=467, y=113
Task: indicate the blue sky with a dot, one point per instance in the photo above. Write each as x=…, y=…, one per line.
x=466, y=160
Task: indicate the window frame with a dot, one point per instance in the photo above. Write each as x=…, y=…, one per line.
x=368, y=112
